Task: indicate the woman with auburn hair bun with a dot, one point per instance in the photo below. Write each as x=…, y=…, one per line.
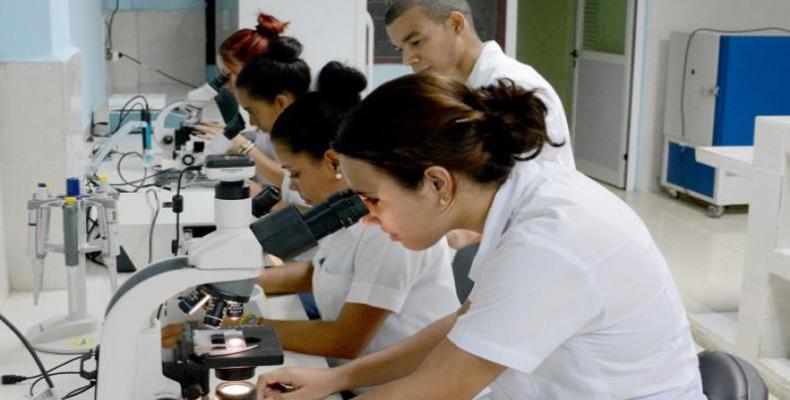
x=245, y=44
x=572, y=298
x=235, y=52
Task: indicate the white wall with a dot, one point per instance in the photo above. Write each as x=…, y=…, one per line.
x=4, y=277
x=86, y=25
x=173, y=41
x=386, y=72
x=663, y=17
x=40, y=102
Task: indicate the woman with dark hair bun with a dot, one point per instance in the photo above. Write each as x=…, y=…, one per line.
x=572, y=298
x=235, y=53
x=371, y=291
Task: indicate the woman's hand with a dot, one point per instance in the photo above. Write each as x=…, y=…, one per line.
x=237, y=143
x=209, y=129
x=299, y=384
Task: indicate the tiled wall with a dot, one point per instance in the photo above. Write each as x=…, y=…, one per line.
x=40, y=140
x=173, y=41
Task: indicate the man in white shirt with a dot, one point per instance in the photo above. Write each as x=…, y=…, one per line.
x=440, y=34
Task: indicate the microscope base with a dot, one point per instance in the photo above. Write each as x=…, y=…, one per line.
x=65, y=335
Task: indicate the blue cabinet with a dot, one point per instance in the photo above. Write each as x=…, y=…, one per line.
x=728, y=81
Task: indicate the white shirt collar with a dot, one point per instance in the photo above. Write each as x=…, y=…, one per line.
x=507, y=199
x=487, y=59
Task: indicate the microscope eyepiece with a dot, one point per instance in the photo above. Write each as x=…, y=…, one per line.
x=287, y=233
x=218, y=82
x=234, y=126
x=263, y=202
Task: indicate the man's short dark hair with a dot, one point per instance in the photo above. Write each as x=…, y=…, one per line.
x=437, y=10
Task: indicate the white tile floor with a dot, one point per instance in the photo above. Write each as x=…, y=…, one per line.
x=704, y=254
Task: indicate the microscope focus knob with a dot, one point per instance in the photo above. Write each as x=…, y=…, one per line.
x=193, y=392
x=188, y=159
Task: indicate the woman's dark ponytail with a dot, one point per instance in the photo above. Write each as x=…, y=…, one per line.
x=341, y=84
x=512, y=128
x=275, y=72
x=309, y=125
x=425, y=119
x=285, y=49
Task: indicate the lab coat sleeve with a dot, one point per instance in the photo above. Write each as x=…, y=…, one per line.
x=384, y=271
x=529, y=299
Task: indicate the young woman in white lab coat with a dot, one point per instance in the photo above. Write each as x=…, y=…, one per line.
x=235, y=53
x=371, y=292
x=572, y=298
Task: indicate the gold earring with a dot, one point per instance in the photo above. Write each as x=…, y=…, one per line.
x=338, y=176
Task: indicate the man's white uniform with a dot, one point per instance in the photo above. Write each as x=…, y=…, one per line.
x=494, y=64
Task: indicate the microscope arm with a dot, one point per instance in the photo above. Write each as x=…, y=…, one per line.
x=104, y=150
x=131, y=337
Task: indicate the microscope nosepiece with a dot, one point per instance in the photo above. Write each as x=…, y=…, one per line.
x=193, y=301
x=215, y=314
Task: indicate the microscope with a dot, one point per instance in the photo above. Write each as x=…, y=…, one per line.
x=182, y=143
x=222, y=268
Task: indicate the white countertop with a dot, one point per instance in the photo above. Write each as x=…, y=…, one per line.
x=738, y=160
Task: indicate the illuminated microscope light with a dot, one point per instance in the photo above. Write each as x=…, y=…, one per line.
x=235, y=391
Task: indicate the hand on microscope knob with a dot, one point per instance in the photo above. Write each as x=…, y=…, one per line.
x=209, y=129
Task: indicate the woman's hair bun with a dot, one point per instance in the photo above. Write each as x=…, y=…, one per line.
x=269, y=26
x=340, y=81
x=514, y=126
x=285, y=49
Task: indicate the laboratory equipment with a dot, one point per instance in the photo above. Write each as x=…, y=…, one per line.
x=233, y=353
x=717, y=85
x=112, y=143
x=222, y=266
x=55, y=334
x=183, y=144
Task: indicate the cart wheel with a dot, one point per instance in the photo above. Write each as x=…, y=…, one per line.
x=715, y=211
x=673, y=192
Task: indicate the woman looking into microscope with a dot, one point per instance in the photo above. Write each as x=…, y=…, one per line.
x=238, y=50
x=371, y=291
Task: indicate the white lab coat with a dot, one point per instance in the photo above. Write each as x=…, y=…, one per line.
x=572, y=296
x=362, y=265
x=494, y=64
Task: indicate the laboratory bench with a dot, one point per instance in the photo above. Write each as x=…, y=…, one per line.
x=19, y=309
